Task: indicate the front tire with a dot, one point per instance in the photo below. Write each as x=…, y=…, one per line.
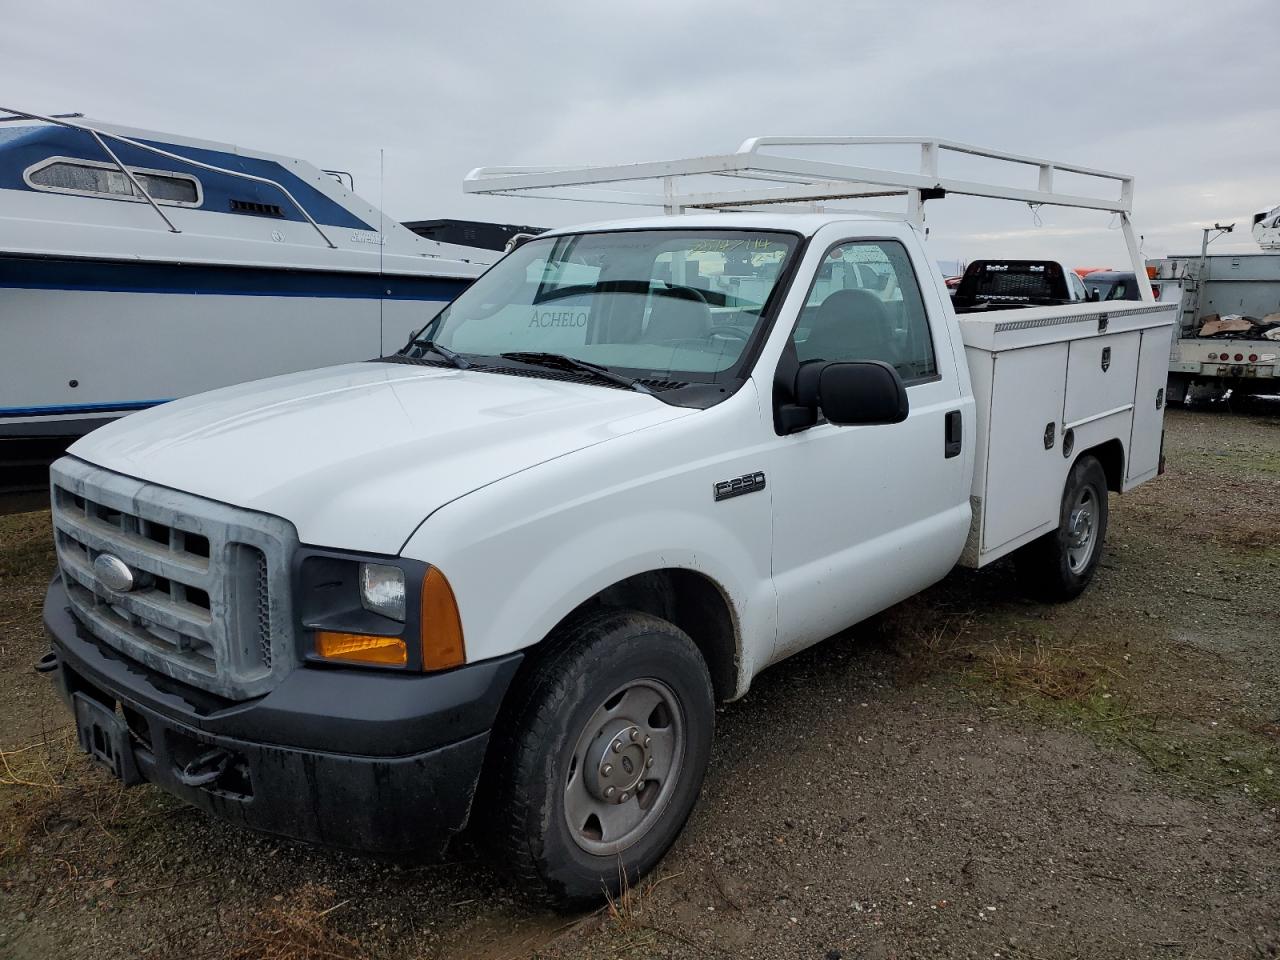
x=1059, y=565
x=601, y=757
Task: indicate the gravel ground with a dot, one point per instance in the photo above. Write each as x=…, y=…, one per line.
x=973, y=775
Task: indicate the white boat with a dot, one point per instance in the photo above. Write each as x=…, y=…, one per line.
x=137, y=267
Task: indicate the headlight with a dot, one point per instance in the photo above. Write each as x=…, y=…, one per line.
x=382, y=590
x=384, y=612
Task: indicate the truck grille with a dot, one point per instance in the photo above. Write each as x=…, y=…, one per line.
x=210, y=605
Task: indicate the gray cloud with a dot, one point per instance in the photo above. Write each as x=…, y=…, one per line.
x=1178, y=94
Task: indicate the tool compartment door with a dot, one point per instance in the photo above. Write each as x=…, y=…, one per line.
x=1024, y=479
x=1148, y=406
x=1100, y=376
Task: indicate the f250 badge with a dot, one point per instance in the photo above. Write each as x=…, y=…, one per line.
x=747, y=483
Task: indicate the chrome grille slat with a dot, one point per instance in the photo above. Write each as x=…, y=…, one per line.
x=192, y=620
x=212, y=607
x=128, y=549
x=107, y=624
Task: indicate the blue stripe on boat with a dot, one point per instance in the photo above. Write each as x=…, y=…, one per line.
x=38, y=273
x=69, y=408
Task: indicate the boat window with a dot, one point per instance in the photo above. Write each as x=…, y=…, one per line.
x=88, y=178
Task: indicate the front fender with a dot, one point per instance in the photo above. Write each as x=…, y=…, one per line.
x=523, y=553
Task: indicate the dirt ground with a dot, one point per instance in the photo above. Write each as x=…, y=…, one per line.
x=974, y=775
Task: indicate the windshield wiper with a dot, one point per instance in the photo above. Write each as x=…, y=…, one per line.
x=559, y=361
x=456, y=360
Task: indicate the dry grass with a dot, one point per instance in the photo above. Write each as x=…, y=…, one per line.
x=1056, y=670
x=297, y=927
x=1125, y=681
x=623, y=908
x=26, y=562
x=34, y=764
x=1023, y=659
x=925, y=639
x=628, y=920
x=51, y=788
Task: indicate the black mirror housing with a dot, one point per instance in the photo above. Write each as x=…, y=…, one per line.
x=865, y=392
x=862, y=392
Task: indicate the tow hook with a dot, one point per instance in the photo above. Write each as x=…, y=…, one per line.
x=205, y=769
x=47, y=664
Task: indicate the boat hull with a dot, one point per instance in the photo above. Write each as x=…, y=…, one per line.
x=77, y=355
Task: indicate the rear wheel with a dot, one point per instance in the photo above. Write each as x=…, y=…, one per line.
x=1059, y=565
x=601, y=758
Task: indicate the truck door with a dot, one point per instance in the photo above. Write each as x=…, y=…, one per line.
x=865, y=516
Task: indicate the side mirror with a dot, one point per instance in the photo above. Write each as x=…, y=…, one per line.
x=851, y=393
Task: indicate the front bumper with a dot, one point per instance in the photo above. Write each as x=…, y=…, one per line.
x=375, y=762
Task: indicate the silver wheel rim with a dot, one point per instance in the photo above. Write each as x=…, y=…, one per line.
x=1082, y=524
x=624, y=767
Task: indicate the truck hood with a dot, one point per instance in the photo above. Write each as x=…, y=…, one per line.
x=356, y=456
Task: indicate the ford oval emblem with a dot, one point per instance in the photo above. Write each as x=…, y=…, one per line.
x=113, y=573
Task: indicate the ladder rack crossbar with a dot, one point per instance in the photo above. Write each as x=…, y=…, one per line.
x=754, y=144
x=780, y=177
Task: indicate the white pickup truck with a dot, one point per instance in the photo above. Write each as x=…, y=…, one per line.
x=503, y=576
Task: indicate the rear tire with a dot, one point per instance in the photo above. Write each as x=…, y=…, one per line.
x=618, y=708
x=1059, y=565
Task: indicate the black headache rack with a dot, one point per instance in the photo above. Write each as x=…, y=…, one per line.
x=1011, y=284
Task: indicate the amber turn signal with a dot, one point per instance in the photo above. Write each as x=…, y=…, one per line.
x=361, y=648
x=442, y=645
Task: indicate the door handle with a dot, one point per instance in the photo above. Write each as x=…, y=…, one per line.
x=955, y=434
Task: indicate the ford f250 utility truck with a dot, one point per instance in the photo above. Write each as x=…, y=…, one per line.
x=502, y=577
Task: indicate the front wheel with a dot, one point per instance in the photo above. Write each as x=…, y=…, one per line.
x=601, y=758
x=1059, y=565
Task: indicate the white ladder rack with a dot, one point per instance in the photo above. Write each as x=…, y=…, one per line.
x=766, y=171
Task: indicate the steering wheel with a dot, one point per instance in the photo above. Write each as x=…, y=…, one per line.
x=686, y=292
x=727, y=332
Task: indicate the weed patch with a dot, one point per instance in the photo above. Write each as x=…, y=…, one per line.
x=51, y=790
x=1061, y=674
x=298, y=927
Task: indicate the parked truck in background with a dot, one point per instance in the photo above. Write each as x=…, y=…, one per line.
x=1113, y=285
x=1213, y=287
x=501, y=578
x=1014, y=284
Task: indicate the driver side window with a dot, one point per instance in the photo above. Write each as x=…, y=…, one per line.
x=865, y=305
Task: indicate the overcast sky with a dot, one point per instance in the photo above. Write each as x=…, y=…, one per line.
x=1182, y=95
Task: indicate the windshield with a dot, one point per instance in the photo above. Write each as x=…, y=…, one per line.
x=1105, y=289
x=1117, y=288
x=672, y=305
